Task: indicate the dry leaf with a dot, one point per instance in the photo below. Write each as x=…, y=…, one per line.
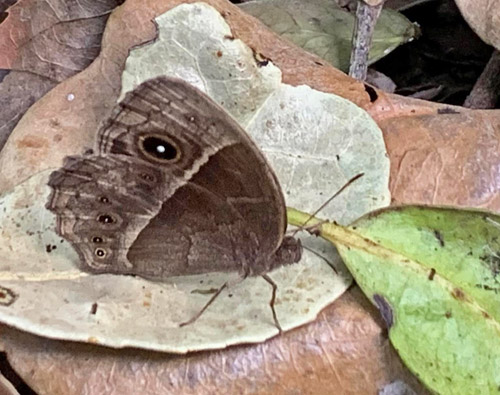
x=67, y=121
x=43, y=43
x=343, y=352
x=18, y=91
x=484, y=18
x=448, y=157
x=326, y=29
x=53, y=39
x=309, y=137
x=255, y=96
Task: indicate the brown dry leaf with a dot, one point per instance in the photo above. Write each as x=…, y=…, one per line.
x=18, y=91
x=484, y=18
x=343, y=352
x=198, y=47
x=43, y=43
x=440, y=154
x=6, y=387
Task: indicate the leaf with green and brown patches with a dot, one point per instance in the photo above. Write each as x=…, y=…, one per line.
x=325, y=28
x=434, y=274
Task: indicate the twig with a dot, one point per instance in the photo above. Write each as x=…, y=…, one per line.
x=366, y=19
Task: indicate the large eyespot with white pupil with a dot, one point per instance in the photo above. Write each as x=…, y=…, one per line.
x=159, y=148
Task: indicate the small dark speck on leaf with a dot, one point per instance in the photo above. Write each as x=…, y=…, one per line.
x=431, y=274
x=439, y=237
x=486, y=287
x=457, y=293
x=260, y=59
x=49, y=248
x=385, y=309
x=7, y=297
x=219, y=53
x=371, y=92
x=205, y=291
x=338, y=157
x=447, y=110
x=93, y=309
x=447, y=314
x=492, y=262
x=318, y=63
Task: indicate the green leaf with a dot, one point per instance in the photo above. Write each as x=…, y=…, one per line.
x=325, y=29
x=434, y=273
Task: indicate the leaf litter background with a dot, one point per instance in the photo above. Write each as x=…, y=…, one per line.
x=135, y=312
x=350, y=319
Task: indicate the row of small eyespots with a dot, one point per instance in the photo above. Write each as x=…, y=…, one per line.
x=104, y=219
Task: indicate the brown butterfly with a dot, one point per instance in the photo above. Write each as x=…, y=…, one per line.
x=176, y=187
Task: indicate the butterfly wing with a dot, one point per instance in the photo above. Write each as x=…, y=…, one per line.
x=210, y=200
x=102, y=203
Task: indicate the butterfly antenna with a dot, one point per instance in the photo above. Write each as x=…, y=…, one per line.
x=301, y=227
x=323, y=258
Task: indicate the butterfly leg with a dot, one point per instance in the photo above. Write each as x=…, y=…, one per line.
x=227, y=284
x=273, y=299
x=210, y=301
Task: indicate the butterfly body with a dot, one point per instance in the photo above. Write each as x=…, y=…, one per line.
x=175, y=187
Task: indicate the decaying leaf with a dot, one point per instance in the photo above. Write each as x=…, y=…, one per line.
x=67, y=118
x=18, y=91
x=344, y=351
x=6, y=387
x=325, y=29
x=43, y=43
x=448, y=157
x=53, y=39
x=306, y=133
x=484, y=18
x=311, y=138
x=434, y=274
